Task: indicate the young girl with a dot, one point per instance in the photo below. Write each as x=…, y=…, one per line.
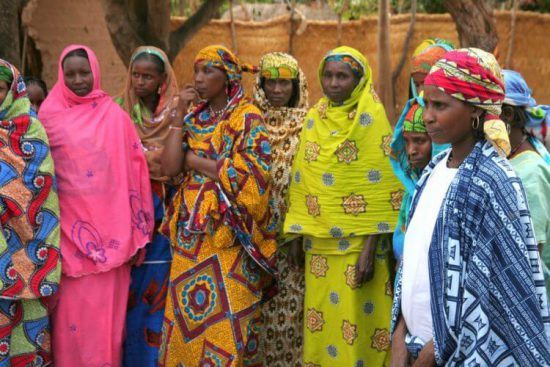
x=470, y=289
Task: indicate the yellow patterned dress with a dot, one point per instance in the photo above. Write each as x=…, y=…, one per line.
x=223, y=252
x=343, y=189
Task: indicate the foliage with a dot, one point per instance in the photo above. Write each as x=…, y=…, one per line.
x=353, y=9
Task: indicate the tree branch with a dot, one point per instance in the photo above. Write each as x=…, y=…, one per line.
x=180, y=36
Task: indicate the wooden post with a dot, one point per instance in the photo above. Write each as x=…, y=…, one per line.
x=512, y=36
x=292, y=28
x=233, y=32
x=24, y=53
x=339, y=27
x=384, y=60
x=404, y=55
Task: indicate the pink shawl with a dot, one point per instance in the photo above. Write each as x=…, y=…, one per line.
x=102, y=177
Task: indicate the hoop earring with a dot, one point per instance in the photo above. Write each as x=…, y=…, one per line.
x=475, y=123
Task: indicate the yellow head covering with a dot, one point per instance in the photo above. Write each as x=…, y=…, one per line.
x=342, y=181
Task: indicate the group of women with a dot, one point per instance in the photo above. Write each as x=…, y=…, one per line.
x=200, y=227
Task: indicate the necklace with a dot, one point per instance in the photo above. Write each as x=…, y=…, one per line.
x=216, y=115
x=516, y=148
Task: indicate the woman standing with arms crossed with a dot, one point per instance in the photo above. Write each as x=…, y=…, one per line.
x=219, y=220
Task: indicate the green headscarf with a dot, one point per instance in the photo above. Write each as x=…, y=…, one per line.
x=413, y=122
x=5, y=74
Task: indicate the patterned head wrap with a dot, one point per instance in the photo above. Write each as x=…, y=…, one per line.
x=474, y=76
x=355, y=67
x=5, y=74
x=220, y=57
x=413, y=122
x=278, y=65
x=423, y=62
x=429, y=42
x=518, y=94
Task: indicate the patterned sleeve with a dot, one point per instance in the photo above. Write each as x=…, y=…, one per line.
x=244, y=173
x=29, y=214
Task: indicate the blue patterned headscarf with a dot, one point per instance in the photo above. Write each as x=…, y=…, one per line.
x=518, y=94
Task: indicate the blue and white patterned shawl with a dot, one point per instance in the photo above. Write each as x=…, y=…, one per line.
x=488, y=300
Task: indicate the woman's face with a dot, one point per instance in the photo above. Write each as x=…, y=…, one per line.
x=278, y=91
x=210, y=81
x=36, y=95
x=419, y=149
x=447, y=119
x=418, y=80
x=146, y=79
x=4, y=89
x=77, y=75
x=338, y=81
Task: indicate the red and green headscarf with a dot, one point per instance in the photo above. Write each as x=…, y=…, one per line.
x=474, y=76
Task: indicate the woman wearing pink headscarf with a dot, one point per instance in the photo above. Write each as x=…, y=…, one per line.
x=107, y=212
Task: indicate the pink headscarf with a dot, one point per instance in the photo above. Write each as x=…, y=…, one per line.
x=102, y=176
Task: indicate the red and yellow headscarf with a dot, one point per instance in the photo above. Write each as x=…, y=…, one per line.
x=474, y=76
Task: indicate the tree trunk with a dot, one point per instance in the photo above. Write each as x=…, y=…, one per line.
x=384, y=61
x=10, y=46
x=122, y=30
x=475, y=23
x=133, y=23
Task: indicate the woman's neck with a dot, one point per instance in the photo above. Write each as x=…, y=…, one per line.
x=460, y=150
x=218, y=103
x=518, y=141
x=151, y=102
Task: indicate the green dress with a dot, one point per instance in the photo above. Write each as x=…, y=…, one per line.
x=534, y=172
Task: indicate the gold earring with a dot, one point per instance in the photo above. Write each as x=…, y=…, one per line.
x=475, y=123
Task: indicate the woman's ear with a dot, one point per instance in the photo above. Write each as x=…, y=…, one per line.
x=477, y=112
x=507, y=114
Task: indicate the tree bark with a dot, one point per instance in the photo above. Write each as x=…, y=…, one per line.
x=132, y=23
x=475, y=23
x=384, y=61
x=10, y=25
x=124, y=35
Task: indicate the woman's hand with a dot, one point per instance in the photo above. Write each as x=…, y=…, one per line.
x=173, y=155
x=426, y=358
x=296, y=255
x=206, y=166
x=364, y=268
x=186, y=97
x=399, y=351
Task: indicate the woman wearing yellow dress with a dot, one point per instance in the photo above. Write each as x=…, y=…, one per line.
x=344, y=200
x=218, y=222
